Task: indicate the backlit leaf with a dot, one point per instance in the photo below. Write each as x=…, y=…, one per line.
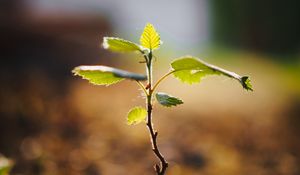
x=136, y=115
x=150, y=38
x=119, y=45
x=190, y=70
x=167, y=100
x=103, y=75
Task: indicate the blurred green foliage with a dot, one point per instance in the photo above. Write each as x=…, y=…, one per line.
x=5, y=165
x=264, y=26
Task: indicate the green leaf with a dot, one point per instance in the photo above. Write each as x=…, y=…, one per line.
x=119, y=45
x=150, y=38
x=246, y=83
x=167, y=100
x=191, y=70
x=136, y=115
x=103, y=75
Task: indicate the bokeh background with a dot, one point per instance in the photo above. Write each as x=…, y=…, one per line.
x=52, y=123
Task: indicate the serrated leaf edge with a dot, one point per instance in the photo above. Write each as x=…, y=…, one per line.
x=135, y=123
x=170, y=96
x=149, y=25
x=122, y=74
x=105, y=44
x=244, y=80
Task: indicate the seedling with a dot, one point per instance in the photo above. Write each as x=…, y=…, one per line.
x=187, y=69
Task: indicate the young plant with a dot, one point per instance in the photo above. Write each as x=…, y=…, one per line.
x=187, y=69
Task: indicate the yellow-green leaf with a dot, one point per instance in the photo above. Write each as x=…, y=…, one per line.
x=104, y=75
x=150, y=38
x=119, y=45
x=190, y=70
x=136, y=115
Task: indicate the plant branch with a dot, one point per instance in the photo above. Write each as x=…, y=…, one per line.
x=142, y=87
x=160, y=169
x=145, y=56
x=161, y=79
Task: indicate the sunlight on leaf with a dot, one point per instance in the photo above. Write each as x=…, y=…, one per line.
x=103, y=75
x=191, y=70
x=119, y=45
x=167, y=100
x=136, y=115
x=150, y=38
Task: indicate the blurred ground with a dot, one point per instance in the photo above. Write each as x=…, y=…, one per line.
x=52, y=123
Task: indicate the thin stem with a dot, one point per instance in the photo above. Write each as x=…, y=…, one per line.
x=145, y=56
x=142, y=87
x=161, y=79
x=160, y=169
